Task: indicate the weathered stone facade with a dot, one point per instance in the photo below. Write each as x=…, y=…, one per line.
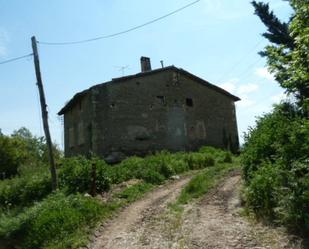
x=166, y=108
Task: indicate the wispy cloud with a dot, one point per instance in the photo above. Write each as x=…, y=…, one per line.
x=4, y=39
x=248, y=88
x=230, y=85
x=245, y=102
x=243, y=91
x=263, y=72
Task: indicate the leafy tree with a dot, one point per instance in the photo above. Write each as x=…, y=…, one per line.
x=11, y=156
x=23, y=152
x=36, y=146
x=288, y=56
x=275, y=153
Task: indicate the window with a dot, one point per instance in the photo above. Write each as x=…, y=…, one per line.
x=161, y=99
x=189, y=102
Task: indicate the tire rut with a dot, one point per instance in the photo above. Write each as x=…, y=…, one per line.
x=126, y=230
x=216, y=223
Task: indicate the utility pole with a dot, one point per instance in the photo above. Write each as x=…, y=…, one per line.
x=44, y=113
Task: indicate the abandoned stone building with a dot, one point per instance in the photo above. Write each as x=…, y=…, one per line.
x=162, y=109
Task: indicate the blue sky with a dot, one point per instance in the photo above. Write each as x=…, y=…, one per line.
x=216, y=40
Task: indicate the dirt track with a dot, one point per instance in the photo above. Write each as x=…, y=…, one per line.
x=125, y=230
x=212, y=223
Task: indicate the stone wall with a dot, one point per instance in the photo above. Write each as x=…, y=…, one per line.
x=165, y=110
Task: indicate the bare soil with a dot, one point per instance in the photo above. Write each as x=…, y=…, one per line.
x=212, y=223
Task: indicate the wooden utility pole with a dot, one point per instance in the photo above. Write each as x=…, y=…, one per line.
x=44, y=113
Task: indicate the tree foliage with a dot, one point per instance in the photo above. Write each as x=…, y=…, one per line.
x=288, y=55
x=275, y=155
x=275, y=160
x=23, y=152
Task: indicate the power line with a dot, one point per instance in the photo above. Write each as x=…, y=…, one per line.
x=121, y=32
x=245, y=73
x=15, y=59
x=240, y=60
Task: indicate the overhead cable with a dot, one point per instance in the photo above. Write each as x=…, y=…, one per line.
x=236, y=64
x=15, y=59
x=121, y=32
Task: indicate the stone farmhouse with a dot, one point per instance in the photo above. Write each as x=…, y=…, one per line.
x=162, y=109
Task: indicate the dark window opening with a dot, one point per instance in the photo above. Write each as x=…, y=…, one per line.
x=189, y=102
x=161, y=99
x=112, y=105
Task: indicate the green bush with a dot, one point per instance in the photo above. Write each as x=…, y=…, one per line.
x=22, y=153
x=55, y=220
x=293, y=203
x=11, y=156
x=76, y=175
x=280, y=135
x=262, y=192
x=275, y=167
x=197, y=160
x=24, y=190
x=125, y=170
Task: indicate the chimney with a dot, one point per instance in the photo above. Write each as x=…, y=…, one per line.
x=145, y=64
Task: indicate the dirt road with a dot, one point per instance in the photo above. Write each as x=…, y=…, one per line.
x=214, y=222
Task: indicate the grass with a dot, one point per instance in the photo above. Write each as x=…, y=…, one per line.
x=134, y=192
x=202, y=183
x=32, y=217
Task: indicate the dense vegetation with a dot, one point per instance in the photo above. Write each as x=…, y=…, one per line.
x=276, y=151
x=276, y=170
x=32, y=216
x=23, y=152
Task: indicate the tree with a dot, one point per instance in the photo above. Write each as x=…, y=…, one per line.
x=23, y=152
x=288, y=55
x=12, y=155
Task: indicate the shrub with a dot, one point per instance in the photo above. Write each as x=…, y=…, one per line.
x=24, y=190
x=11, y=156
x=293, y=203
x=54, y=220
x=261, y=194
x=275, y=167
x=125, y=170
x=228, y=158
x=198, y=160
x=22, y=153
x=280, y=135
x=76, y=175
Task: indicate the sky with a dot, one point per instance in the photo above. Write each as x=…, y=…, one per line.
x=215, y=40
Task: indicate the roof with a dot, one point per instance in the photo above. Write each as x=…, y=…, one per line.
x=80, y=95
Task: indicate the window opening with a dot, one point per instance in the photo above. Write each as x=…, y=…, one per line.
x=161, y=99
x=189, y=102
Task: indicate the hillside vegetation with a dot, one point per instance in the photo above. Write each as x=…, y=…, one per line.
x=275, y=155
x=32, y=216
